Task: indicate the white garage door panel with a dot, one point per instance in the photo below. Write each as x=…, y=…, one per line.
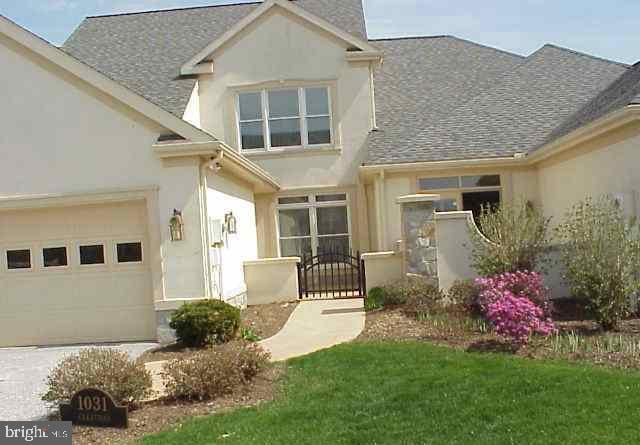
x=75, y=304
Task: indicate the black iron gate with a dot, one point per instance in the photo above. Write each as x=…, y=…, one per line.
x=331, y=275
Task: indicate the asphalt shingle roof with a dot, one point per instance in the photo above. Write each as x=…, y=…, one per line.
x=513, y=111
x=422, y=80
x=624, y=91
x=144, y=51
x=437, y=98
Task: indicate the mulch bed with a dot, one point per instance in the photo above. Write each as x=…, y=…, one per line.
x=265, y=320
x=160, y=416
x=394, y=324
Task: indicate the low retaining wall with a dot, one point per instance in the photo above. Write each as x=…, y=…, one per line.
x=382, y=268
x=454, y=247
x=271, y=280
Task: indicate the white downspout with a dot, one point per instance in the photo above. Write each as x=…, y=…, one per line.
x=214, y=165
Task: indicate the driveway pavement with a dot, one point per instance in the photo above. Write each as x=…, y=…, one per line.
x=23, y=372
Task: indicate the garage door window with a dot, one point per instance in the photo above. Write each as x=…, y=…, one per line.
x=129, y=252
x=54, y=257
x=91, y=255
x=19, y=259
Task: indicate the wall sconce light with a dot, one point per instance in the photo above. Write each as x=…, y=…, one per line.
x=176, y=226
x=230, y=223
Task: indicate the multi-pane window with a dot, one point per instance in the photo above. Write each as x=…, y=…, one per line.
x=313, y=224
x=473, y=192
x=284, y=118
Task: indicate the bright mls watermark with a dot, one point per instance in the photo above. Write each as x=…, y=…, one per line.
x=36, y=433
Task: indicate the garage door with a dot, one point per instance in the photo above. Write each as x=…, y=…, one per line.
x=75, y=275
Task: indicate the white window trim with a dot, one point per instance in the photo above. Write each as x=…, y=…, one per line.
x=105, y=248
x=114, y=251
x=54, y=245
x=5, y=261
x=302, y=117
x=312, y=205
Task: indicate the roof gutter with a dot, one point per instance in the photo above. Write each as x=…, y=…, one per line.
x=369, y=170
x=212, y=149
x=600, y=126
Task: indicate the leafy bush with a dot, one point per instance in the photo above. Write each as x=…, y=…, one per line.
x=213, y=372
x=205, y=322
x=601, y=253
x=416, y=294
x=375, y=299
x=110, y=370
x=465, y=294
x=516, y=239
x=517, y=305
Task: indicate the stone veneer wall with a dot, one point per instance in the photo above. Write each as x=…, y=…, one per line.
x=419, y=229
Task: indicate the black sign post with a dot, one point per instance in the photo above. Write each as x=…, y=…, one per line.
x=93, y=407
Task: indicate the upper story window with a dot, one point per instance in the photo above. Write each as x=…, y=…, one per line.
x=278, y=119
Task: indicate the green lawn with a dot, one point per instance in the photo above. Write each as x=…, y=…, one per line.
x=419, y=394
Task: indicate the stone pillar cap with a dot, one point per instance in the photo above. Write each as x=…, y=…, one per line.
x=417, y=198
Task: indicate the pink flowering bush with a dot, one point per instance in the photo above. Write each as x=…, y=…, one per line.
x=517, y=304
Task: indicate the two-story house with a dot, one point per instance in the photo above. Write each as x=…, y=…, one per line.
x=158, y=157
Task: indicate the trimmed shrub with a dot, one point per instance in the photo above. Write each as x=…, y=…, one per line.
x=127, y=381
x=375, y=299
x=465, y=294
x=516, y=239
x=517, y=305
x=601, y=253
x=213, y=372
x=205, y=322
x=416, y=294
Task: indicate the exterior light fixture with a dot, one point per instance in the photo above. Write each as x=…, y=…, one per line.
x=230, y=223
x=176, y=226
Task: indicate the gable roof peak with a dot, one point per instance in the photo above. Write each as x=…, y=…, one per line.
x=192, y=65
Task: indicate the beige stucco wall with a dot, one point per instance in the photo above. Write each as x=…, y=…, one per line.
x=280, y=50
x=61, y=136
x=605, y=165
x=454, y=247
x=225, y=195
x=382, y=268
x=272, y=280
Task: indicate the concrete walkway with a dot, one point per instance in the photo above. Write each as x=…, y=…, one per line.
x=312, y=326
x=316, y=325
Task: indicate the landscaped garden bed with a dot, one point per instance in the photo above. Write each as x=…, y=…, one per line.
x=213, y=367
x=161, y=415
x=256, y=323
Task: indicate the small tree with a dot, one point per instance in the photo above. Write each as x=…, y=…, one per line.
x=601, y=253
x=514, y=237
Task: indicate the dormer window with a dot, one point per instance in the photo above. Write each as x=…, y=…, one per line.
x=278, y=119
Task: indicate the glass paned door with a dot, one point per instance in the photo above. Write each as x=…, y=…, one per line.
x=313, y=226
x=295, y=232
x=333, y=229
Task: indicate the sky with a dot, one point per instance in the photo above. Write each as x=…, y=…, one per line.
x=605, y=28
